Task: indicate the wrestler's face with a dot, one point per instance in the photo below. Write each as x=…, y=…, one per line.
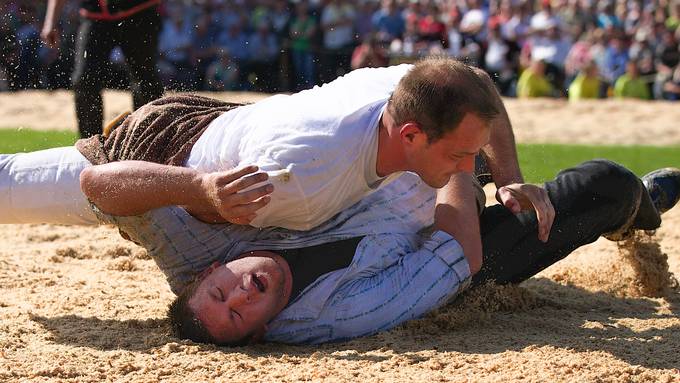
x=237, y=299
x=435, y=162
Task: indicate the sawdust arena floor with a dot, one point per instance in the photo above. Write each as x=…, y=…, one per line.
x=83, y=305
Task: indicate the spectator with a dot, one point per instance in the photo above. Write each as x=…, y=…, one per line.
x=621, y=13
x=56, y=65
x=431, y=30
x=573, y=15
x=474, y=20
x=630, y=85
x=660, y=15
x=586, y=85
x=533, y=83
x=28, y=39
x=235, y=41
x=279, y=17
x=641, y=50
x=673, y=21
x=133, y=26
x=633, y=19
x=544, y=18
x=517, y=27
x=671, y=87
x=549, y=46
x=412, y=13
x=337, y=23
x=203, y=47
x=116, y=77
x=227, y=14
x=606, y=19
x=578, y=57
x=615, y=59
x=302, y=31
x=174, y=45
x=410, y=47
x=667, y=53
x=222, y=74
x=501, y=15
x=501, y=59
x=455, y=38
x=484, y=33
x=369, y=54
x=9, y=54
x=263, y=53
x=259, y=15
x=388, y=22
x=598, y=49
x=363, y=22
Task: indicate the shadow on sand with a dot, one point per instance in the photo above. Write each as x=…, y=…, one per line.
x=541, y=313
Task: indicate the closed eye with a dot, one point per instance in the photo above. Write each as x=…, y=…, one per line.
x=236, y=313
x=221, y=294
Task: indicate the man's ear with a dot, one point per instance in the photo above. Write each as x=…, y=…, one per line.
x=209, y=270
x=258, y=334
x=411, y=133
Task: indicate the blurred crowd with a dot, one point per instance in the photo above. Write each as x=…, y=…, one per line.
x=546, y=48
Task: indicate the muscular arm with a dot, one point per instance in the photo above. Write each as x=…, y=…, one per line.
x=456, y=214
x=134, y=187
x=456, y=211
x=501, y=156
x=500, y=152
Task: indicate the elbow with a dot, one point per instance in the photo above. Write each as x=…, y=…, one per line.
x=475, y=263
x=89, y=184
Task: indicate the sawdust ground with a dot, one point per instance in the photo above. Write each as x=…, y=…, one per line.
x=83, y=305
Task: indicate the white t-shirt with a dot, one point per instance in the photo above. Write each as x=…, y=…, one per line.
x=318, y=146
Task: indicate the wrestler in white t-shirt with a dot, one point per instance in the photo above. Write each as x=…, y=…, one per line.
x=318, y=146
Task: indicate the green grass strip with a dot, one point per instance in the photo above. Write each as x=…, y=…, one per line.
x=539, y=162
x=26, y=140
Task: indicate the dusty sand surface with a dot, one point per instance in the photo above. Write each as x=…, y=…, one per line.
x=83, y=305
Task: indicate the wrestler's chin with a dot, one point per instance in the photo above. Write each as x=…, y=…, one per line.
x=436, y=183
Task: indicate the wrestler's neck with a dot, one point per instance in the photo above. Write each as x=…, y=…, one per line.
x=391, y=156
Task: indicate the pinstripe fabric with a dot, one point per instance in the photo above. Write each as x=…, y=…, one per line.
x=397, y=272
x=393, y=278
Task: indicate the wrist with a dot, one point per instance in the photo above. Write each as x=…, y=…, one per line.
x=197, y=195
x=505, y=181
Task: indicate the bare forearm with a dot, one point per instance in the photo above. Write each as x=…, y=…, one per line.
x=135, y=187
x=500, y=152
x=456, y=214
x=53, y=11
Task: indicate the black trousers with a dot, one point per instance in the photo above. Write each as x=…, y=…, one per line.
x=592, y=199
x=137, y=36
